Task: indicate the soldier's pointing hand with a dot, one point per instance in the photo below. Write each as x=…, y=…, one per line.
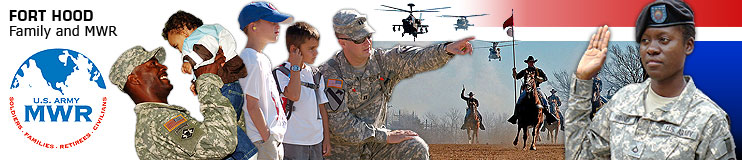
x=460, y=47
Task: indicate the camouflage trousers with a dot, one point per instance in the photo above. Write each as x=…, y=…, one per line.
x=415, y=148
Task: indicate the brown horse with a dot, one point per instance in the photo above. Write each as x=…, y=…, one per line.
x=473, y=121
x=530, y=116
x=471, y=124
x=552, y=129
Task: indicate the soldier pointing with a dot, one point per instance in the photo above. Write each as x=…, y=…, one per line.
x=359, y=82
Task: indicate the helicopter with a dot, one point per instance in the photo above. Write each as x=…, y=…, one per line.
x=462, y=22
x=494, y=50
x=411, y=25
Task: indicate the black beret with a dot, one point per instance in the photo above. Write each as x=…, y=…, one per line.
x=663, y=13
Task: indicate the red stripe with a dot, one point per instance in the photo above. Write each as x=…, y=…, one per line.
x=592, y=13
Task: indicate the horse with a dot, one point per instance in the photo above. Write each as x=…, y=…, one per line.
x=530, y=115
x=471, y=124
x=597, y=103
x=552, y=131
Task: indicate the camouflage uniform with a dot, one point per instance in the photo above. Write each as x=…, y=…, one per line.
x=691, y=126
x=358, y=98
x=357, y=110
x=166, y=131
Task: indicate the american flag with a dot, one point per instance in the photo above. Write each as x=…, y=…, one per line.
x=335, y=83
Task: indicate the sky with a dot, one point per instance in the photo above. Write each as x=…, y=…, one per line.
x=437, y=91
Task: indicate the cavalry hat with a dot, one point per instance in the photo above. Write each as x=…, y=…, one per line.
x=530, y=59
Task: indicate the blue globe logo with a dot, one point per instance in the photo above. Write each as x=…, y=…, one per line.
x=58, y=98
x=56, y=67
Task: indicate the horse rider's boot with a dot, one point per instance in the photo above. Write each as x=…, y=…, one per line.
x=513, y=119
x=549, y=117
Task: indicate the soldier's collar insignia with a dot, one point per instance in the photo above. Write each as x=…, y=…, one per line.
x=659, y=13
x=174, y=122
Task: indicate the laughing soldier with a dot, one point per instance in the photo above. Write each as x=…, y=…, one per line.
x=165, y=131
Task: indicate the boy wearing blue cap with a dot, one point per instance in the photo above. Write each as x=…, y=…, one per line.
x=664, y=117
x=267, y=122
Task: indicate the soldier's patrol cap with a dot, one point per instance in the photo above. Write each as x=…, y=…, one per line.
x=130, y=59
x=351, y=23
x=663, y=13
x=261, y=10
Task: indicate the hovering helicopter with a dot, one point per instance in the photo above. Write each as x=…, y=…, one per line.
x=494, y=50
x=462, y=22
x=411, y=25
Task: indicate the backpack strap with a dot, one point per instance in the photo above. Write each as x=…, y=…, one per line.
x=317, y=77
x=289, y=106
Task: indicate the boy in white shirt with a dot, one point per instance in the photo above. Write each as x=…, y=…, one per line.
x=301, y=86
x=267, y=121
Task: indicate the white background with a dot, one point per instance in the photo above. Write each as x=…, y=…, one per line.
x=141, y=23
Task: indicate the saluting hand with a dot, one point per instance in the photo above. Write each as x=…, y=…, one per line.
x=594, y=56
x=460, y=47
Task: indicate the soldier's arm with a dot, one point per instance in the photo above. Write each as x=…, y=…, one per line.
x=717, y=141
x=219, y=124
x=408, y=61
x=585, y=139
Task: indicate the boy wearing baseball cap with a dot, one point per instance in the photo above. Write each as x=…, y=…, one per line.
x=267, y=122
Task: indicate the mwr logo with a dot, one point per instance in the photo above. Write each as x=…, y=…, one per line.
x=57, y=98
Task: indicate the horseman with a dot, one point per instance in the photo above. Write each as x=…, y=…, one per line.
x=597, y=100
x=532, y=78
x=555, y=103
x=472, y=105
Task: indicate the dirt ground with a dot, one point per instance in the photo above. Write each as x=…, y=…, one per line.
x=498, y=151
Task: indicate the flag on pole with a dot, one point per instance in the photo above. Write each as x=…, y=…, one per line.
x=508, y=26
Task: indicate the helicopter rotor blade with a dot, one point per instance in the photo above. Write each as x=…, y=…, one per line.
x=475, y=15
x=507, y=45
x=434, y=9
x=452, y=16
x=398, y=9
x=498, y=41
x=390, y=10
x=423, y=11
